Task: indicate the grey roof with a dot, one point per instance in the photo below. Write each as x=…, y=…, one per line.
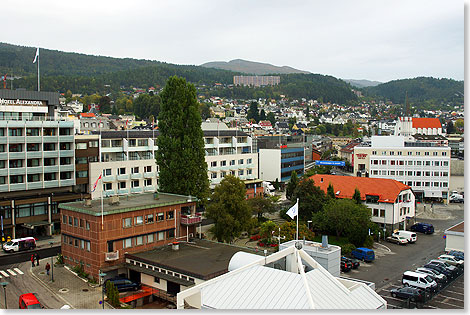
x=127, y=203
x=201, y=259
x=52, y=98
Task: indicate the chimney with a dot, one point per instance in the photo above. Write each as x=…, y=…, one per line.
x=324, y=241
x=155, y=195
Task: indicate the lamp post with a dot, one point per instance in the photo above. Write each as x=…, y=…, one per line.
x=308, y=223
x=4, y=285
x=102, y=275
x=52, y=264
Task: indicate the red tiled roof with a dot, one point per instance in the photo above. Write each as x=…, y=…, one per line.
x=457, y=228
x=87, y=115
x=426, y=123
x=387, y=189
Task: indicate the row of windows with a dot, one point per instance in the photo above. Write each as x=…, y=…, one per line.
x=36, y=147
x=76, y=222
x=161, y=270
x=380, y=213
x=147, y=239
x=34, y=178
x=410, y=173
x=149, y=219
x=35, y=162
x=410, y=153
x=86, y=145
x=426, y=184
x=232, y=162
x=223, y=174
x=410, y=163
x=35, y=132
x=28, y=210
x=92, y=125
x=78, y=243
x=123, y=170
x=85, y=160
x=123, y=185
x=118, y=143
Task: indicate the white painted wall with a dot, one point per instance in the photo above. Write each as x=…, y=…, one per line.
x=270, y=164
x=455, y=242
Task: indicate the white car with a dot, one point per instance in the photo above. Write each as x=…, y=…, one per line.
x=397, y=239
x=451, y=260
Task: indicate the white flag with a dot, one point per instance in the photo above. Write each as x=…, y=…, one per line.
x=294, y=210
x=37, y=55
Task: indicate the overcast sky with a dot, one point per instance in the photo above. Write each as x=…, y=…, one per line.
x=379, y=40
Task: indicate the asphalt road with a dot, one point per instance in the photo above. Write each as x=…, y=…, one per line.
x=15, y=258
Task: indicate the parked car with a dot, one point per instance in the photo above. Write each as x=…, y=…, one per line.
x=411, y=237
x=449, y=274
x=445, y=264
x=451, y=260
x=363, y=253
x=355, y=262
x=346, y=266
x=426, y=228
x=29, y=301
x=456, y=254
x=456, y=197
x=123, y=284
x=414, y=294
x=18, y=244
x=441, y=278
x=400, y=240
x=419, y=280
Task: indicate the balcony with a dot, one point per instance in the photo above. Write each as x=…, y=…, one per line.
x=109, y=193
x=149, y=189
x=51, y=154
x=109, y=178
x=3, y=188
x=136, y=175
x=111, y=256
x=149, y=174
x=16, y=139
x=51, y=169
x=17, y=155
x=123, y=191
x=16, y=187
x=3, y=140
x=3, y=156
x=191, y=219
x=35, y=185
x=136, y=190
x=67, y=182
x=49, y=139
x=32, y=155
x=123, y=177
x=33, y=139
x=67, y=168
x=18, y=171
x=3, y=172
x=66, y=153
x=66, y=138
x=51, y=184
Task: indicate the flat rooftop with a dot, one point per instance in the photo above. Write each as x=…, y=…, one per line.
x=457, y=228
x=201, y=259
x=127, y=203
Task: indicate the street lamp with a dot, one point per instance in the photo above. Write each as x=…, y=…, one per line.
x=102, y=275
x=52, y=264
x=4, y=285
x=308, y=223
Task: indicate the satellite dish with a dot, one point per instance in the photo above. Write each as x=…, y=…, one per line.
x=298, y=245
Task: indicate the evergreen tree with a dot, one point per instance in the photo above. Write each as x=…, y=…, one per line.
x=450, y=127
x=270, y=116
x=292, y=185
x=330, y=191
x=253, y=112
x=262, y=115
x=229, y=209
x=180, y=155
x=357, y=196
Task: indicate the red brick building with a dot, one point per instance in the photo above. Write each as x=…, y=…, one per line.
x=99, y=239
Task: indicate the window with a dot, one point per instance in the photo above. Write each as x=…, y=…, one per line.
x=436, y=163
x=82, y=244
x=392, y=152
x=126, y=222
x=249, y=161
x=392, y=173
x=139, y=240
x=232, y=162
x=161, y=236
x=426, y=153
x=107, y=186
x=82, y=174
x=418, y=184
x=126, y=243
x=382, y=213
x=122, y=185
x=88, y=245
x=107, y=172
x=171, y=233
x=445, y=174
x=418, y=173
x=410, y=163
x=418, y=153
x=444, y=153
x=222, y=174
x=444, y=184
x=138, y=220
x=93, y=144
x=418, y=163
x=19, y=148
x=427, y=163
x=148, y=169
x=240, y=161
x=170, y=215
x=64, y=219
x=445, y=163
x=156, y=279
x=121, y=171
x=75, y=221
x=248, y=172
x=410, y=153
x=223, y=163
x=436, y=184
x=410, y=173
x=148, y=182
x=149, y=218
x=214, y=164
x=213, y=175
x=135, y=170
x=375, y=162
x=434, y=153
x=76, y=242
x=161, y=216
x=374, y=152
x=87, y=225
x=399, y=153
x=384, y=162
x=150, y=238
x=70, y=220
x=392, y=162
x=375, y=172
x=375, y=212
x=240, y=173
x=81, y=146
x=135, y=183
x=401, y=162
x=436, y=173
x=82, y=223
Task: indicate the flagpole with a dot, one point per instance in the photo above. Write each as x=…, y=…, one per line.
x=297, y=234
x=102, y=207
x=39, y=82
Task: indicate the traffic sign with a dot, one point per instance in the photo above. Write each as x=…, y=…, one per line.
x=333, y=163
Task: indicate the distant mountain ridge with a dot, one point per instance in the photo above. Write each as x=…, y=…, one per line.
x=251, y=67
x=362, y=83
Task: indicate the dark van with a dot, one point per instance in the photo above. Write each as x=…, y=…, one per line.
x=421, y=227
x=123, y=284
x=363, y=253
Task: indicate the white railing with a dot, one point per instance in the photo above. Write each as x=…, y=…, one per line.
x=112, y=256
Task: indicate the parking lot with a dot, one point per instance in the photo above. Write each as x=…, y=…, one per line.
x=393, y=260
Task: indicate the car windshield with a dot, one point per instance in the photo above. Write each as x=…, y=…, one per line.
x=9, y=243
x=34, y=306
x=428, y=278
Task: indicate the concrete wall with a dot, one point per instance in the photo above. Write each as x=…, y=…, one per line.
x=455, y=242
x=457, y=167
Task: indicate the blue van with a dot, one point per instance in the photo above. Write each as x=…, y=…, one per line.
x=425, y=228
x=363, y=253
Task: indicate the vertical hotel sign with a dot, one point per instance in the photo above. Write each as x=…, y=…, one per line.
x=21, y=102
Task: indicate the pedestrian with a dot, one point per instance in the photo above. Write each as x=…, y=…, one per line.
x=37, y=258
x=48, y=267
x=32, y=259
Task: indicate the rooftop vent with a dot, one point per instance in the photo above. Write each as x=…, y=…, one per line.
x=88, y=202
x=324, y=241
x=175, y=246
x=113, y=200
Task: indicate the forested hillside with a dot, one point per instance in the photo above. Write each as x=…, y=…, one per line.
x=422, y=91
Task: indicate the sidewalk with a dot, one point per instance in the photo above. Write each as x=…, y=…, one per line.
x=71, y=289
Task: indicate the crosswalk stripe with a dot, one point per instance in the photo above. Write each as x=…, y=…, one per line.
x=18, y=271
x=4, y=273
x=11, y=272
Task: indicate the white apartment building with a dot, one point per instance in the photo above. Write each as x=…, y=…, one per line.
x=425, y=167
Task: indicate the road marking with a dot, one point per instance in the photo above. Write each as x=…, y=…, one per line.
x=11, y=272
x=449, y=291
x=448, y=297
x=4, y=273
x=18, y=271
x=454, y=306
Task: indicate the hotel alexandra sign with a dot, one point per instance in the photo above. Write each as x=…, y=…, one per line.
x=361, y=156
x=20, y=102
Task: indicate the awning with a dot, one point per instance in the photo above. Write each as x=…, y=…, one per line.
x=32, y=225
x=160, y=275
x=431, y=194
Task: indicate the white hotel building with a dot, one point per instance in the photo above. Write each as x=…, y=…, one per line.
x=425, y=167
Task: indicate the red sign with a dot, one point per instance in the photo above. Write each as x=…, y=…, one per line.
x=361, y=156
x=283, y=146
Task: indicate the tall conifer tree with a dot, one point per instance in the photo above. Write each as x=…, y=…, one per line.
x=180, y=155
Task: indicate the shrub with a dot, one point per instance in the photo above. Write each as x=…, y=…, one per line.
x=255, y=237
x=60, y=259
x=369, y=242
x=113, y=294
x=346, y=249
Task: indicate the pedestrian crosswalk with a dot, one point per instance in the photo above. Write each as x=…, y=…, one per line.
x=10, y=272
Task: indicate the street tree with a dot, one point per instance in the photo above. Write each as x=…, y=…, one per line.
x=270, y=116
x=229, y=209
x=311, y=199
x=253, y=112
x=330, y=191
x=357, y=196
x=291, y=185
x=261, y=205
x=181, y=155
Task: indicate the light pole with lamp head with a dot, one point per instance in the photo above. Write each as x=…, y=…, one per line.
x=102, y=275
x=4, y=285
x=308, y=223
x=52, y=264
